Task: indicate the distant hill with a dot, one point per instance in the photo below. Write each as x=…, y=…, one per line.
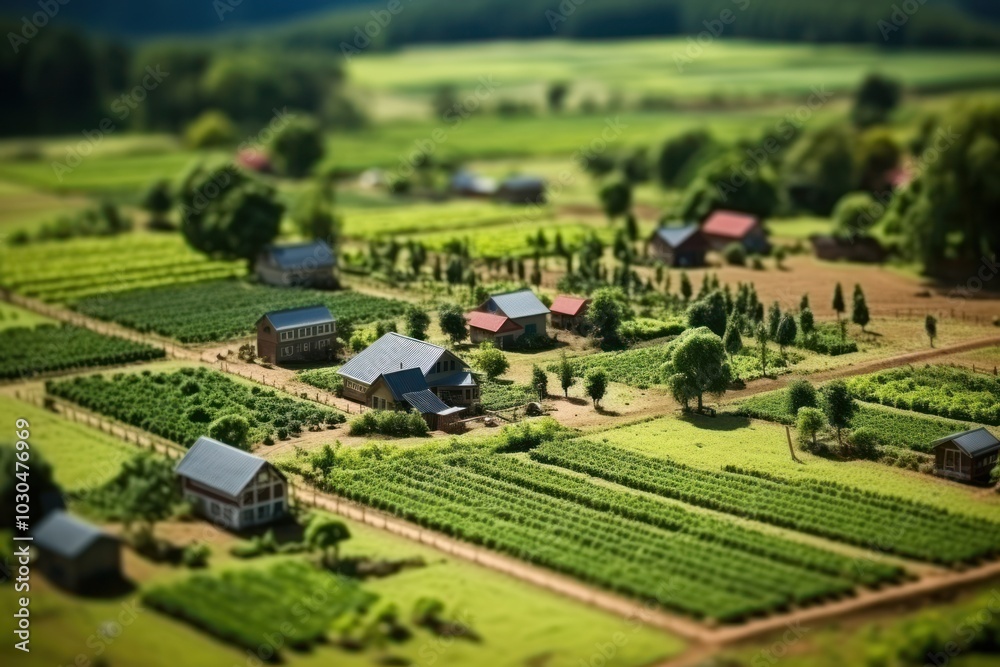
x=327, y=23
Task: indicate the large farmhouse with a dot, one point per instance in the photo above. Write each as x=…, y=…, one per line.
x=969, y=456
x=298, y=334
x=725, y=227
x=513, y=315
x=74, y=554
x=301, y=265
x=400, y=373
x=679, y=246
x=230, y=487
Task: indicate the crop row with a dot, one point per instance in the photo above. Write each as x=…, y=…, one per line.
x=956, y=393
x=183, y=405
x=505, y=395
x=243, y=607
x=47, y=348
x=686, y=562
x=226, y=309
x=882, y=523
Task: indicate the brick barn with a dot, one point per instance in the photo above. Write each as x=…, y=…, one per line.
x=297, y=335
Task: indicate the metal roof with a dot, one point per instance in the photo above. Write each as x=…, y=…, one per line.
x=219, y=466
x=730, y=224
x=569, y=305
x=309, y=256
x=66, y=535
x=460, y=379
x=974, y=443
x=676, y=236
x=523, y=182
x=391, y=352
x=299, y=317
x=404, y=382
x=514, y=305
x=492, y=323
x=426, y=403
x=471, y=182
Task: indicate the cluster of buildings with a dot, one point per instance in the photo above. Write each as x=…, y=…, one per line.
x=686, y=245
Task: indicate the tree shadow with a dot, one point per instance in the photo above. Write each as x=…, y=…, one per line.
x=607, y=413
x=721, y=422
x=572, y=400
x=286, y=530
x=103, y=588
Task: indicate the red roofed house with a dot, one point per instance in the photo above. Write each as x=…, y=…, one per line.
x=568, y=312
x=725, y=227
x=497, y=329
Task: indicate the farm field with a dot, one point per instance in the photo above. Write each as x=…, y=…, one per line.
x=64, y=271
x=46, y=348
x=225, y=310
x=421, y=218
x=711, y=443
x=12, y=317
x=936, y=390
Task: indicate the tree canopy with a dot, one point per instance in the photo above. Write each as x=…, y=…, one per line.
x=697, y=365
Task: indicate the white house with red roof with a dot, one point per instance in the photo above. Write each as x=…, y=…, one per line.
x=568, y=311
x=722, y=228
x=504, y=318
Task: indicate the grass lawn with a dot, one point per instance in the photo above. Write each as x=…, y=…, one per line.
x=12, y=317
x=712, y=443
x=81, y=457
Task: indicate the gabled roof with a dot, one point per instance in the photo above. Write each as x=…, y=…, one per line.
x=66, y=535
x=522, y=303
x=570, y=306
x=426, y=403
x=391, y=352
x=976, y=442
x=312, y=255
x=675, y=237
x=299, y=317
x=219, y=466
x=730, y=224
x=404, y=382
x=490, y=322
x=460, y=379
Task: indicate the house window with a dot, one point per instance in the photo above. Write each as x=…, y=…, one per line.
x=285, y=335
x=302, y=333
x=950, y=459
x=437, y=367
x=263, y=494
x=451, y=365
x=215, y=509
x=267, y=329
x=279, y=490
x=227, y=514
x=262, y=477
x=247, y=516
x=263, y=512
x=279, y=507
x=248, y=498
x=468, y=394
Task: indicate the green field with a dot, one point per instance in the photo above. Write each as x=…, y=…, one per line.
x=81, y=457
x=63, y=271
x=43, y=349
x=12, y=317
x=711, y=443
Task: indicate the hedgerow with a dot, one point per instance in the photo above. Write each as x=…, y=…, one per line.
x=47, y=348
x=181, y=406
x=956, y=393
x=389, y=423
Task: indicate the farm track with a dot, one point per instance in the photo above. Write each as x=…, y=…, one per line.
x=703, y=637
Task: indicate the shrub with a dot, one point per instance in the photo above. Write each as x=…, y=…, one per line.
x=210, y=130
x=195, y=555
x=389, y=423
x=864, y=443
x=801, y=394
x=735, y=254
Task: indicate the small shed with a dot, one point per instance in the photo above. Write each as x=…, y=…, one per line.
x=568, y=312
x=522, y=190
x=298, y=265
x=497, y=329
x=859, y=249
x=969, y=456
x=521, y=307
x=296, y=335
x=681, y=246
x=466, y=183
x=74, y=554
x=724, y=227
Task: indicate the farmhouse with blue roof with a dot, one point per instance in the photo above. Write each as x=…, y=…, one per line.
x=297, y=335
x=508, y=317
x=230, y=487
x=310, y=264
x=75, y=555
x=679, y=246
x=400, y=373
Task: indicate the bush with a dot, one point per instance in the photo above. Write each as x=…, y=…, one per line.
x=526, y=436
x=735, y=254
x=211, y=129
x=195, y=555
x=864, y=443
x=801, y=394
x=389, y=423
x=647, y=328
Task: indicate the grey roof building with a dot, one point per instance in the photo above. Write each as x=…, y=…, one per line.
x=291, y=318
x=393, y=352
x=297, y=335
x=968, y=456
x=309, y=264
x=75, y=554
x=522, y=308
x=683, y=245
x=231, y=487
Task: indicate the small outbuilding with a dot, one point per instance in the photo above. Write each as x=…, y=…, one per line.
x=522, y=190
x=466, y=183
x=724, y=227
x=230, y=487
x=568, y=312
x=859, y=249
x=969, y=456
x=297, y=335
x=74, y=554
x=310, y=264
x=522, y=308
x=489, y=328
x=683, y=246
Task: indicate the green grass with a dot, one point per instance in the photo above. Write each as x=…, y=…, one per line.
x=82, y=458
x=420, y=217
x=711, y=443
x=12, y=317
